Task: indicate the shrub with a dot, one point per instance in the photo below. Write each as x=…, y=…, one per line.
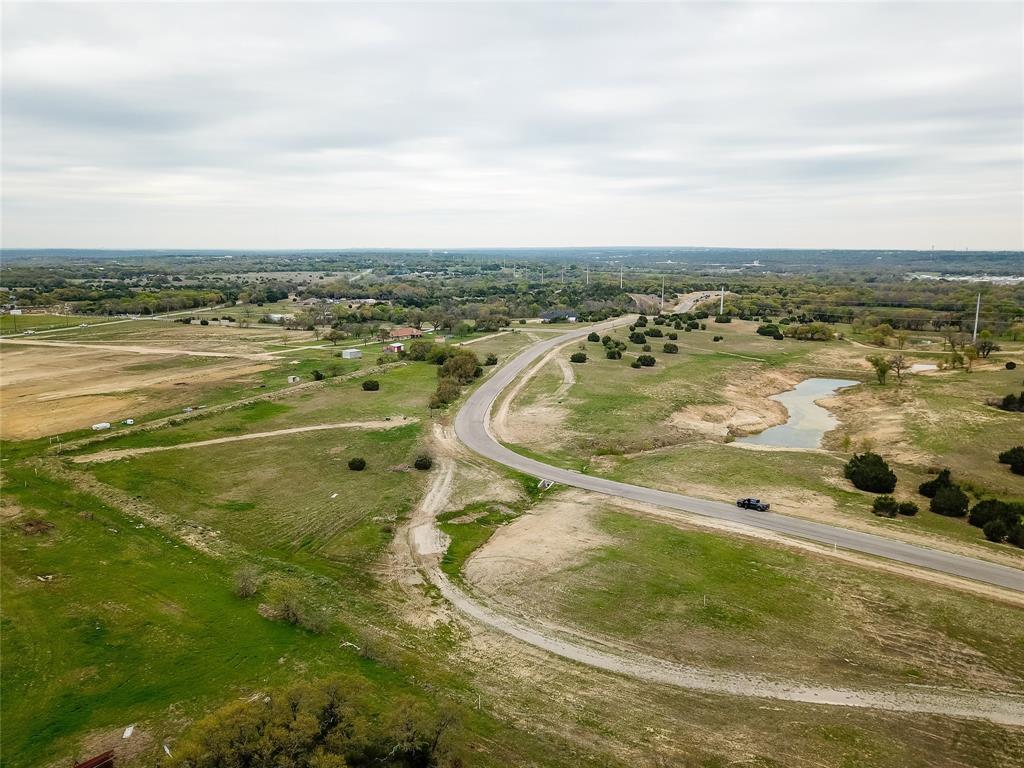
x=768, y=330
x=654, y=333
x=929, y=488
x=204, y=322
x=492, y=359
x=703, y=326
x=371, y=385
x=635, y=364
x=1010, y=365
x=869, y=472
x=318, y=376
x=885, y=506
x=646, y=347
x=723, y=319
x=613, y=354
x=986, y=511
x=646, y=360
x=673, y=336
x=641, y=321
x=447, y=392
x=950, y=501
x=593, y=337
x=907, y=508
x=1013, y=455
x=637, y=338
x=247, y=581
x=357, y=464
x=1011, y=402
x=423, y=462
x=718, y=338
x=606, y=340
x=670, y=348
x=578, y=357
x=461, y=365
x=995, y=530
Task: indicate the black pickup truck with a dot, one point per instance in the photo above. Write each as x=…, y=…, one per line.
x=755, y=504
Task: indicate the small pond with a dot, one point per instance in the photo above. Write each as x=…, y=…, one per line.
x=808, y=421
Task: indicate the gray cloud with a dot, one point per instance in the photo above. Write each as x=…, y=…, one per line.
x=346, y=125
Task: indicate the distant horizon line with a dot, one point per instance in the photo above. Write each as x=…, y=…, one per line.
x=463, y=249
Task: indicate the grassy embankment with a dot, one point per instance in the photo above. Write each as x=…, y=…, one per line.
x=615, y=421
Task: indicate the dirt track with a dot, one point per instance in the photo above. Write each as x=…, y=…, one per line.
x=139, y=350
x=427, y=545
x=114, y=455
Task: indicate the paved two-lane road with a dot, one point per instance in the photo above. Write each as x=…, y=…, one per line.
x=471, y=426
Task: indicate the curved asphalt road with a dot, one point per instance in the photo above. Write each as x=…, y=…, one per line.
x=472, y=428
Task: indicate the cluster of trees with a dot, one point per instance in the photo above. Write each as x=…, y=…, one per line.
x=457, y=366
x=335, y=723
x=809, y=332
x=999, y=520
x=947, y=498
x=883, y=366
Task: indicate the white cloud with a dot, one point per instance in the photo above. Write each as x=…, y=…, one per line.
x=344, y=125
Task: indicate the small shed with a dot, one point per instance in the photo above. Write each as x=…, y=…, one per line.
x=394, y=347
x=351, y=354
x=293, y=379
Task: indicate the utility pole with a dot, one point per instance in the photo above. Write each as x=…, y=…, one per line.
x=563, y=274
x=977, y=312
x=588, y=275
x=721, y=303
x=620, y=277
x=662, y=293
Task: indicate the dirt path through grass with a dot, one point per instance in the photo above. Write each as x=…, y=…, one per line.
x=262, y=356
x=124, y=453
x=426, y=544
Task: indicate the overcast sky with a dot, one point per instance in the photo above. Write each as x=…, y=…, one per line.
x=321, y=125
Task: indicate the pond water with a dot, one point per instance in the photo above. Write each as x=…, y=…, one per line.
x=808, y=421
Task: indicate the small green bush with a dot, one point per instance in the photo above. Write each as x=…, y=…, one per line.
x=423, y=462
x=357, y=464
x=371, y=385
x=492, y=359
x=949, y=501
x=593, y=337
x=907, y=508
x=578, y=357
x=885, y=506
x=646, y=360
x=613, y=354
x=670, y=348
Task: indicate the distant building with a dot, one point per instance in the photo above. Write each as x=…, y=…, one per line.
x=559, y=315
x=351, y=354
x=404, y=333
x=394, y=348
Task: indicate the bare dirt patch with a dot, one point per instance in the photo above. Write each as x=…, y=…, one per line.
x=747, y=410
x=48, y=390
x=550, y=537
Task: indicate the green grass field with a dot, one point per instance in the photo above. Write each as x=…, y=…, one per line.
x=776, y=612
x=11, y=324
